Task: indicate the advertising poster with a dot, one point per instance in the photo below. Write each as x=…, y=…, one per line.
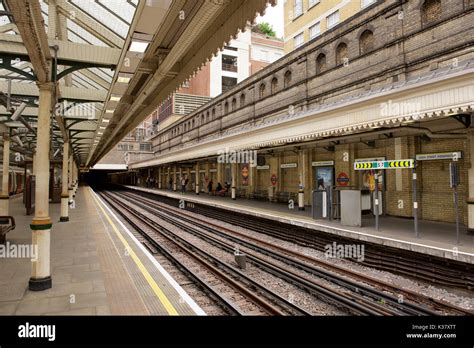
x=324, y=177
x=245, y=175
x=368, y=179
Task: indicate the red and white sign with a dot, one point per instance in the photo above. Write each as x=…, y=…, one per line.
x=274, y=179
x=343, y=179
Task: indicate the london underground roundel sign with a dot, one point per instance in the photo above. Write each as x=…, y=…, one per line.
x=274, y=179
x=342, y=179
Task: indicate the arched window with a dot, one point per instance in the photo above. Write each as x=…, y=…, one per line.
x=341, y=54
x=287, y=79
x=234, y=104
x=242, y=100
x=213, y=114
x=208, y=117
x=202, y=119
x=320, y=63
x=185, y=127
x=430, y=11
x=274, y=85
x=262, y=91
x=193, y=124
x=226, y=108
x=366, y=42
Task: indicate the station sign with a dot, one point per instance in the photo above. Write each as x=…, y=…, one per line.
x=266, y=167
x=398, y=164
x=212, y=170
x=372, y=159
x=274, y=179
x=323, y=164
x=453, y=156
x=289, y=165
x=343, y=179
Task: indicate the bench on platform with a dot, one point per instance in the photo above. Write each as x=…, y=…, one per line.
x=260, y=195
x=7, y=224
x=241, y=193
x=284, y=197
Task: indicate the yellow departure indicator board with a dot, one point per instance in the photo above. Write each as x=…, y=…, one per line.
x=398, y=164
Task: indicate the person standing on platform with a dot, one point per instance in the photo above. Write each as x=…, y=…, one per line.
x=183, y=185
x=170, y=187
x=209, y=186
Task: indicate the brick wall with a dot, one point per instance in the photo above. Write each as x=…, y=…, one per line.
x=434, y=194
x=403, y=47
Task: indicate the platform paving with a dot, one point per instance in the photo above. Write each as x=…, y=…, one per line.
x=92, y=272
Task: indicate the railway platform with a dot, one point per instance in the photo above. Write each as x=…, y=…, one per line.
x=98, y=268
x=437, y=239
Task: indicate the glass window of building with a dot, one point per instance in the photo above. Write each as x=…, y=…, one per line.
x=298, y=8
x=299, y=40
x=366, y=3
x=333, y=19
x=315, y=30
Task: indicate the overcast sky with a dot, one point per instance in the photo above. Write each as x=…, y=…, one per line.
x=274, y=16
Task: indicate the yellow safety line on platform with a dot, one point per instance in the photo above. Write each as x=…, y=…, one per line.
x=159, y=293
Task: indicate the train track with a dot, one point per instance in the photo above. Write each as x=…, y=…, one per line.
x=357, y=297
x=324, y=269
x=431, y=269
x=268, y=302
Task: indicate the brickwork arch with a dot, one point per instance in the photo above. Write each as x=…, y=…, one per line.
x=234, y=104
x=366, y=42
x=342, y=53
x=287, y=79
x=274, y=85
x=242, y=100
x=262, y=90
x=431, y=11
x=321, y=63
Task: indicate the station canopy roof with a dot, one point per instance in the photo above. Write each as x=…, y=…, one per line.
x=81, y=94
x=112, y=62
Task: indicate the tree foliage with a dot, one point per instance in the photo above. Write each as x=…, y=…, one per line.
x=265, y=29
